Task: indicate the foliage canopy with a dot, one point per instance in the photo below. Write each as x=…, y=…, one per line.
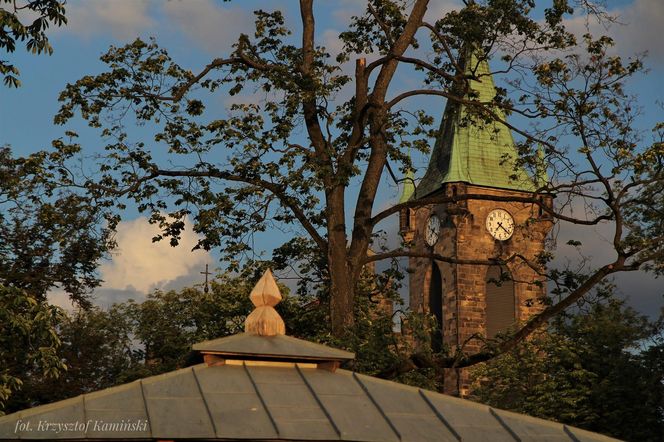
x=598, y=369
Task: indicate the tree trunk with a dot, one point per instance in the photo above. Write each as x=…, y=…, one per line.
x=342, y=297
x=341, y=282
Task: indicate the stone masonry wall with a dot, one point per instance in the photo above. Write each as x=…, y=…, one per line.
x=464, y=236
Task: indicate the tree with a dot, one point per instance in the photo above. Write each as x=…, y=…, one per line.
x=42, y=13
x=168, y=323
x=98, y=350
x=28, y=341
x=50, y=236
x=104, y=348
x=253, y=170
x=593, y=369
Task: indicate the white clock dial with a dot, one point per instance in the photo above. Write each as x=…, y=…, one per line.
x=432, y=230
x=500, y=224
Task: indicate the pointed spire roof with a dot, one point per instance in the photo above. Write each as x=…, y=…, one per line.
x=408, y=188
x=471, y=151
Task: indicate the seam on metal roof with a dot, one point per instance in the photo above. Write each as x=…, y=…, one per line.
x=260, y=397
x=373, y=401
x=85, y=415
x=570, y=434
x=145, y=404
x=439, y=415
x=505, y=426
x=318, y=401
x=207, y=407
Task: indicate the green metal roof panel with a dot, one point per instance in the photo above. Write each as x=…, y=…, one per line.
x=279, y=346
x=474, y=152
x=409, y=414
x=471, y=421
x=586, y=436
x=43, y=423
x=107, y=408
x=292, y=405
x=233, y=402
x=344, y=400
x=530, y=428
x=176, y=407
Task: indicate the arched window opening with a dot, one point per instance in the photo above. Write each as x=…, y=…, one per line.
x=500, y=302
x=436, y=306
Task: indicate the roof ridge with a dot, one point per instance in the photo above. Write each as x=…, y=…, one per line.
x=145, y=405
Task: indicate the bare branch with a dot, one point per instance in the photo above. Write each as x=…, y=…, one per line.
x=180, y=90
x=435, y=256
x=274, y=188
x=441, y=199
x=536, y=321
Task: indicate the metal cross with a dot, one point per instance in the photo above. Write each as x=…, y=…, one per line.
x=206, y=273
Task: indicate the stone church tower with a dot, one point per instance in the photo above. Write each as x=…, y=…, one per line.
x=474, y=159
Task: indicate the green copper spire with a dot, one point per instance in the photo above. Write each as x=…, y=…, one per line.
x=472, y=151
x=542, y=178
x=408, y=186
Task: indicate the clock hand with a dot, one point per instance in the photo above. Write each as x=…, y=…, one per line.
x=501, y=226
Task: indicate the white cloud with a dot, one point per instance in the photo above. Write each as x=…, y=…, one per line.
x=436, y=10
x=638, y=29
x=213, y=27
x=138, y=266
x=346, y=10
x=122, y=19
x=439, y=8
x=60, y=298
x=143, y=265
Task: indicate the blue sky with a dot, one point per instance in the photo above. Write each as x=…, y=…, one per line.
x=194, y=32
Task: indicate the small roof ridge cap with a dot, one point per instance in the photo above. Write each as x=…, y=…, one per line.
x=271, y=347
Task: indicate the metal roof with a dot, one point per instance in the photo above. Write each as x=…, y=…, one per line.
x=272, y=347
x=292, y=402
x=468, y=152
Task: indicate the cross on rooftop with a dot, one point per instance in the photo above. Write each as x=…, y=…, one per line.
x=206, y=288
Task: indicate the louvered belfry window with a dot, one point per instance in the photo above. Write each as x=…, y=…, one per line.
x=500, y=303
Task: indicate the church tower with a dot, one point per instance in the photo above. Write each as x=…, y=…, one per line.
x=471, y=301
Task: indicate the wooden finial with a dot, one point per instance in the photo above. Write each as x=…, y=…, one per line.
x=264, y=320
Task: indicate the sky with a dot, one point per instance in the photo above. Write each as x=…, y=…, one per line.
x=196, y=31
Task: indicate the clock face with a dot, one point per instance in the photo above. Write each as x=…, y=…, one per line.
x=500, y=224
x=432, y=230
